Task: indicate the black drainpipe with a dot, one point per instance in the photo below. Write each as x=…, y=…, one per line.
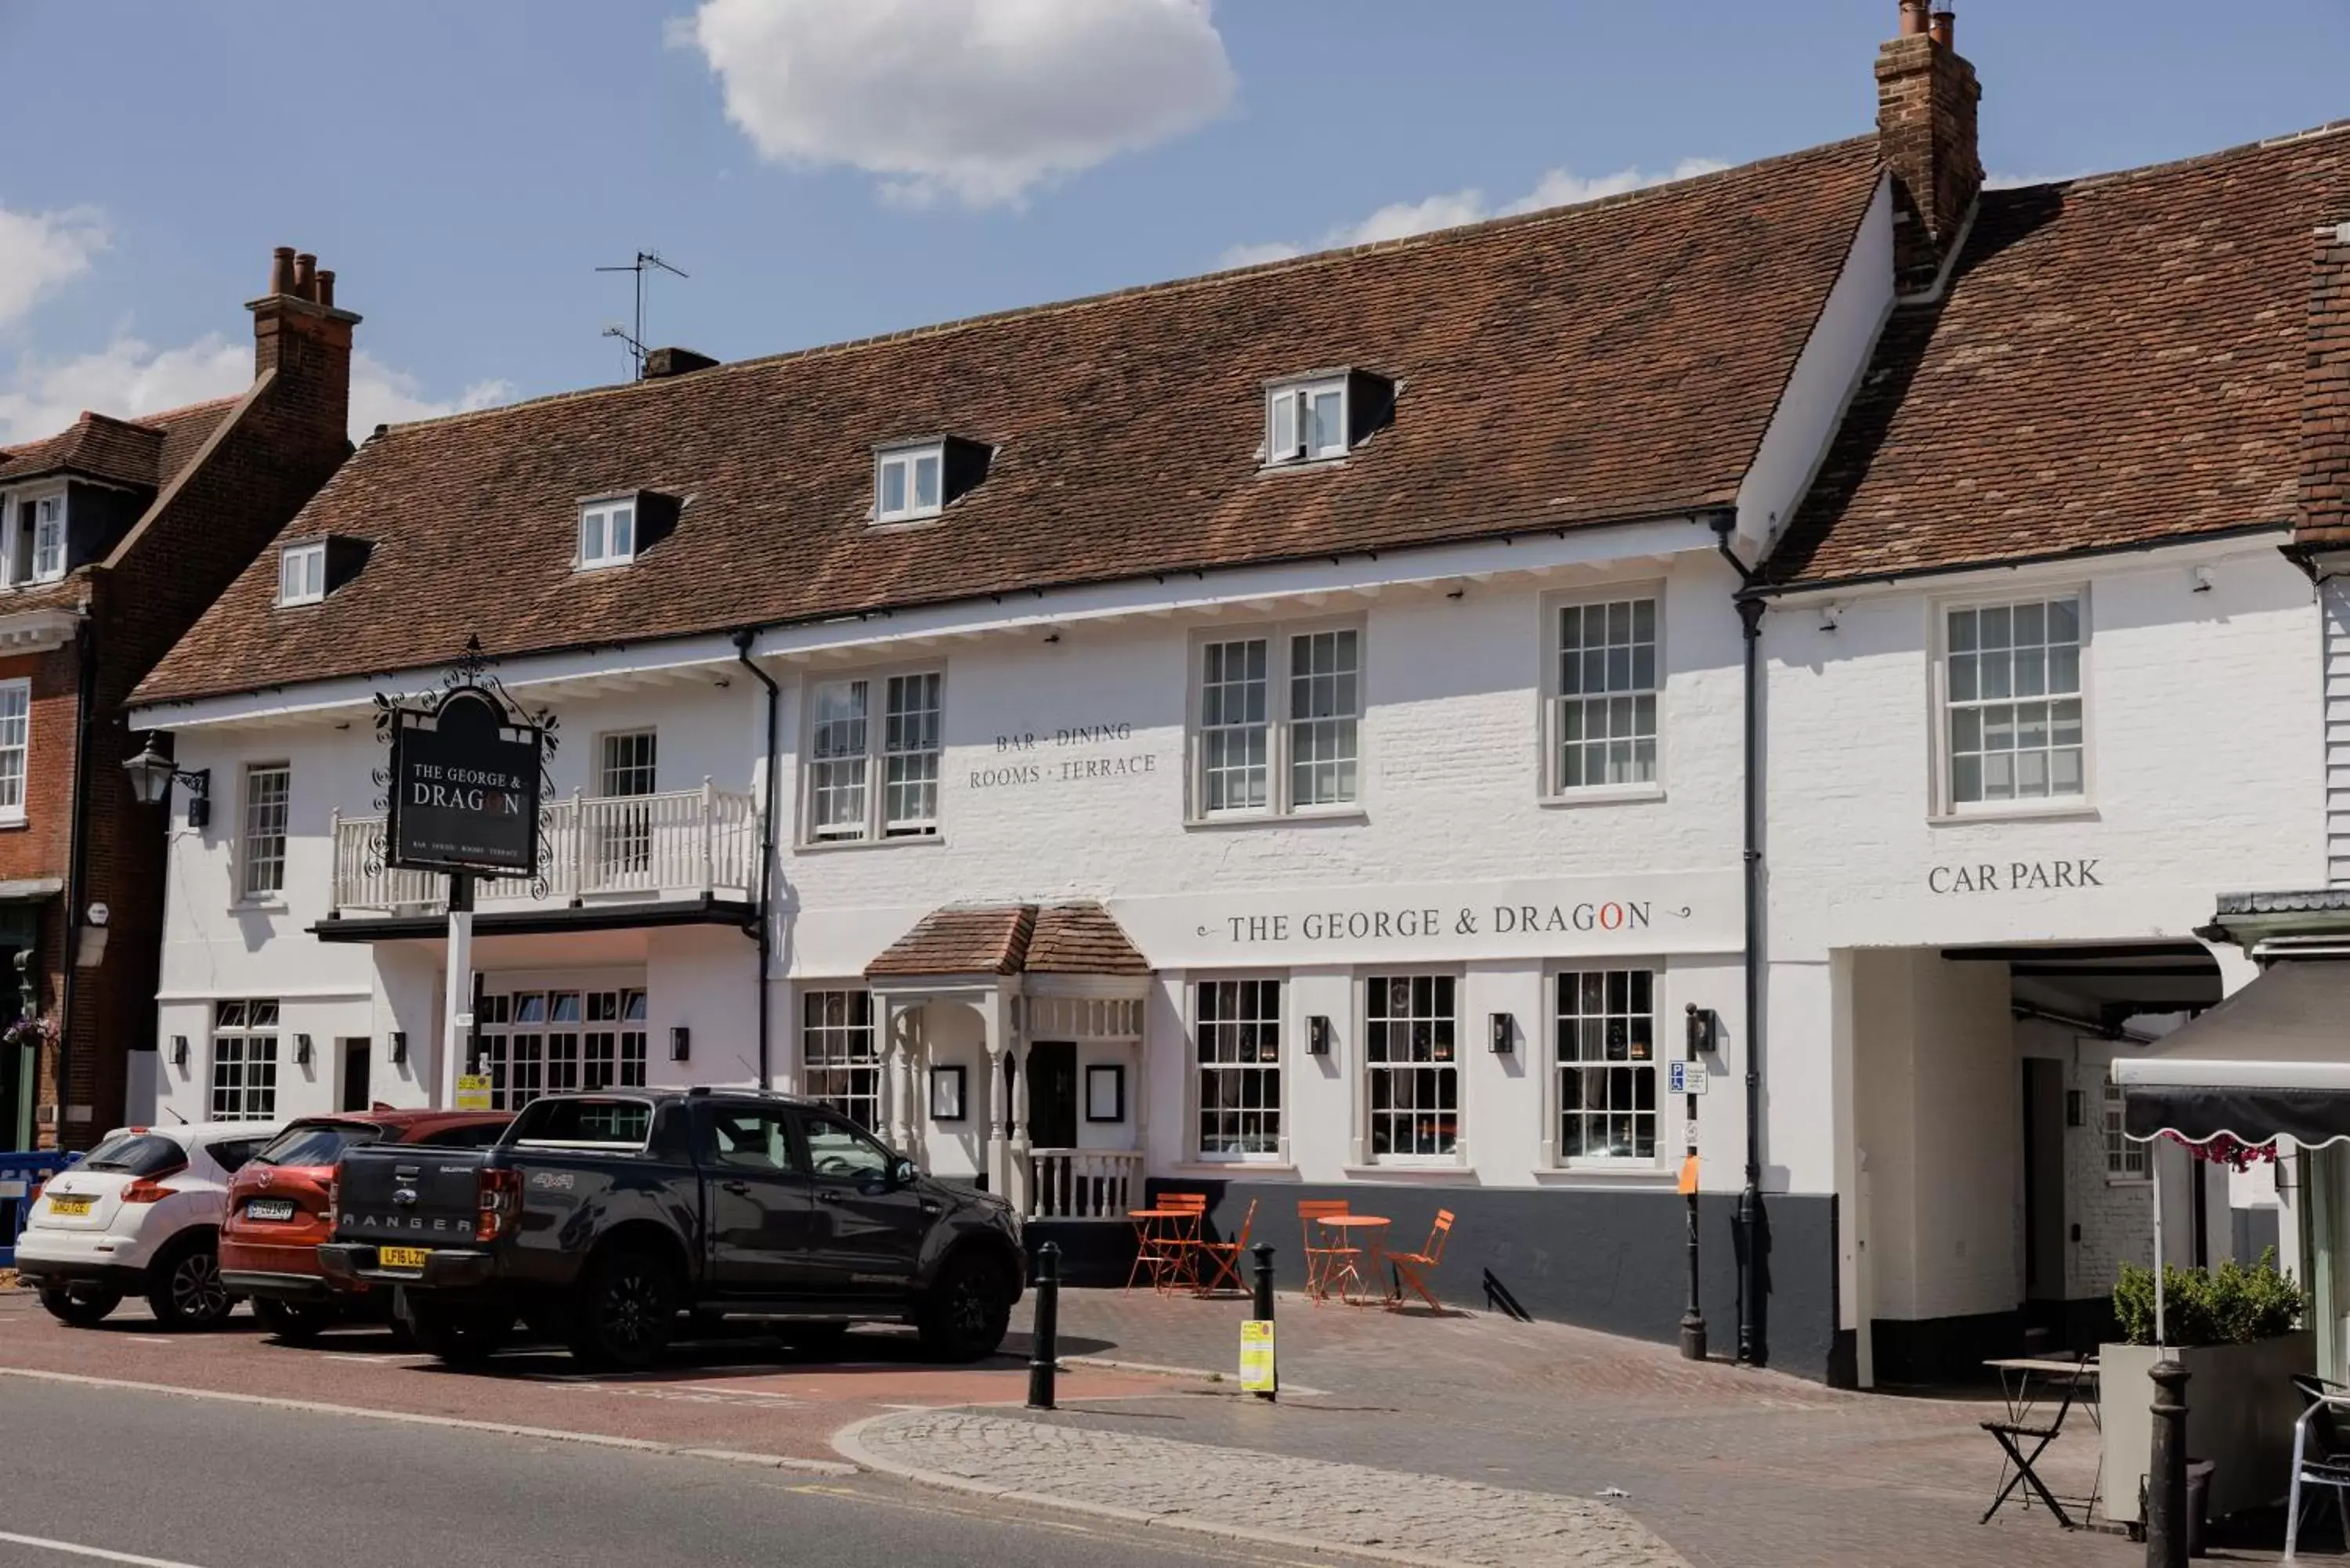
x=1751, y=1348
x=766, y=932
x=76, y=875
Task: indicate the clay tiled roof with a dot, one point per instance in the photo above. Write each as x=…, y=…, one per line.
x=1010, y=939
x=144, y=454
x=962, y=940
x=2119, y=360
x=1082, y=939
x=1590, y=364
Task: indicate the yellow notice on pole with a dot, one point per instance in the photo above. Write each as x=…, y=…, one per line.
x=1258, y=1372
x=1689, y=1176
x=472, y=1091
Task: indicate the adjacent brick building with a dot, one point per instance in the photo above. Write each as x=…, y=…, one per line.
x=115, y=535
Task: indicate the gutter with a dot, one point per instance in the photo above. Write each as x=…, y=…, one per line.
x=1753, y=1350
x=1897, y=579
x=76, y=875
x=766, y=929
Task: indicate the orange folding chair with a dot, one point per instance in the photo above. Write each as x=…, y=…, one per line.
x=1326, y=1266
x=1179, y=1240
x=1413, y=1268
x=1223, y=1257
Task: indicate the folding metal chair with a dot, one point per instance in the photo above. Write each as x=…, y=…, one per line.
x=2321, y=1457
x=1179, y=1244
x=1413, y=1269
x=1223, y=1257
x=2011, y=1435
x=1326, y=1266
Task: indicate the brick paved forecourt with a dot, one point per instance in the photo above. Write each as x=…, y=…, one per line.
x=1241, y=1493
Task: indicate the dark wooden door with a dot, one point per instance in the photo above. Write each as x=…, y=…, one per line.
x=1053, y=1095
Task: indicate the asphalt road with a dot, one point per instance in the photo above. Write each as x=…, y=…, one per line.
x=182, y=1483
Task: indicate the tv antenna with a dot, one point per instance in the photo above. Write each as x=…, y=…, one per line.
x=647, y=261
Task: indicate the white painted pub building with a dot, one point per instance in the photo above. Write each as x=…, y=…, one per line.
x=1284, y=735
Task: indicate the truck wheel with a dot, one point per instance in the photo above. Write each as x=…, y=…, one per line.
x=84, y=1306
x=459, y=1335
x=627, y=1312
x=965, y=1312
x=293, y=1323
x=185, y=1289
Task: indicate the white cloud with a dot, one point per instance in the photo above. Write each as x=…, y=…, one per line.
x=977, y=102
x=130, y=377
x=1398, y=220
x=39, y=251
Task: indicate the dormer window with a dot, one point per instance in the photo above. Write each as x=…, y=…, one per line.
x=1318, y=418
x=908, y=482
x=302, y=573
x=34, y=548
x=607, y=533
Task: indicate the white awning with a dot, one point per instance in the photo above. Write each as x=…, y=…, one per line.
x=2271, y=1060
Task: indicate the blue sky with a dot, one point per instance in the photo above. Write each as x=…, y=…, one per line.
x=827, y=169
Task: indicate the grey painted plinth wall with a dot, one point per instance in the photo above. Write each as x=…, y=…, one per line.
x=1609, y=1261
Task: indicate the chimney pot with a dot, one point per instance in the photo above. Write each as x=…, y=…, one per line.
x=326, y=287
x=306, y=275
x=1945, y=29
x=281, y=270
x=1913, y=17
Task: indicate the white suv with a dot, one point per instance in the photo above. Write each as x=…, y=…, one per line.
x=140, y=1216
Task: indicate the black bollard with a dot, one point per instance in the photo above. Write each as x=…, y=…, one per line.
x=1044, y=1348
x=1261, y=1308
x=2166, y=1476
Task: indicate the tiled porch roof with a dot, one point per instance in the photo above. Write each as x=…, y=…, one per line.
x=1011, y=938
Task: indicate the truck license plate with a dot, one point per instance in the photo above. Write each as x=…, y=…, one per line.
x=402, y=1257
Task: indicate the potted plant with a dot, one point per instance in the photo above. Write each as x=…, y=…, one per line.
x=2237, y=1332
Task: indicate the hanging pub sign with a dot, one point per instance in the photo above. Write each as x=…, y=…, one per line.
x=464, y=787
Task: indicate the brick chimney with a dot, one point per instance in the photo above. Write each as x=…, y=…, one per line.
x=1926, y=98
x=299, y=332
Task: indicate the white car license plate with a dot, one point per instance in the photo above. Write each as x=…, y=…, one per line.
x=269, y=1209
x=66, y=1207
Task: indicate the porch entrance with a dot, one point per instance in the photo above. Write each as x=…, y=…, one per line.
x=1053, y=1093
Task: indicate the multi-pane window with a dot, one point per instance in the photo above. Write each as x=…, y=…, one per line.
x=615, y=1049
x=538, y=1043
x=1306, y=421
x=261, y=848
x=847, y=749
x=2124, y=1157
x=907, y=484
x=625, y=832
x=2012, y=692
x=302, y=573
x=1237, y=1035
x=1607, y=1064
x=1603, y=709
x=48, y=538
x=244, y=1061
x=1325, y=674
x=1410, y=1051
x=15, y=739
x=910, y=754
x=840, y=1061
x=607, y=533
x=1234, y=725
x=1279, y=722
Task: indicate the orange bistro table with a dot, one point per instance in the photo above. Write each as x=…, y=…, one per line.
x=1162, y=1243
x=1374, y=1228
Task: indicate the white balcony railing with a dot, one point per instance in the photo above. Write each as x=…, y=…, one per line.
x=1083, y=1183
x=685, y=842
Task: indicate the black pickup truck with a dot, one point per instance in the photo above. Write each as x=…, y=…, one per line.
x=600, y=1218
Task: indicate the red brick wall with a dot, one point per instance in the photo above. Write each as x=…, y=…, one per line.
x=229, y=508
x=1927, y=95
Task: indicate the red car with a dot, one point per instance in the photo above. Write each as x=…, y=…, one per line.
x=277, y=1211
